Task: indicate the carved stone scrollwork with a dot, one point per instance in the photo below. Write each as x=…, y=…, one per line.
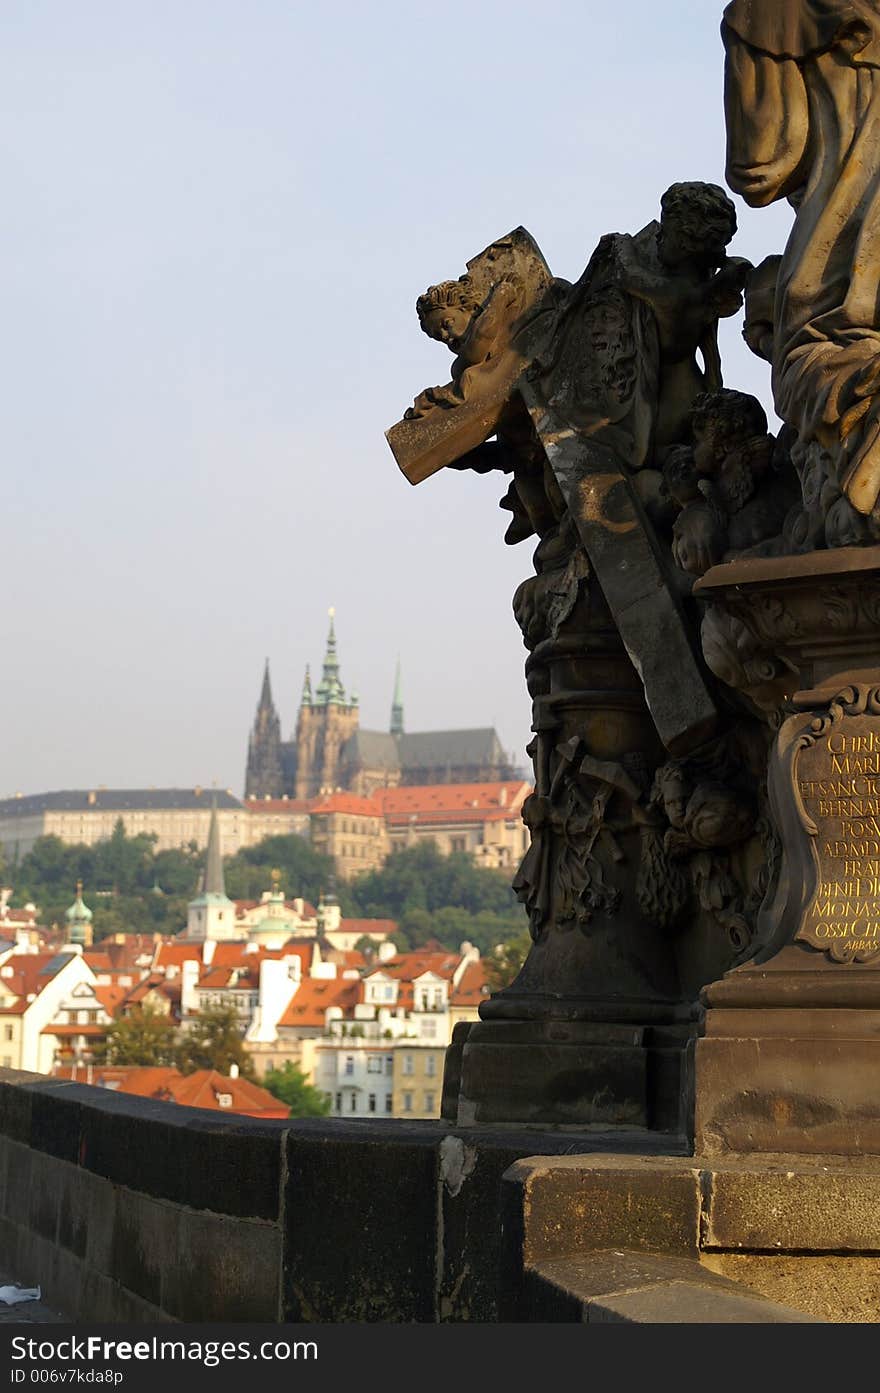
x=825, y=791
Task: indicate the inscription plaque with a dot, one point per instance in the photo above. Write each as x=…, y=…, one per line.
x=837, y=777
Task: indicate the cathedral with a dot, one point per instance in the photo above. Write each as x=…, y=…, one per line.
x=330, y=751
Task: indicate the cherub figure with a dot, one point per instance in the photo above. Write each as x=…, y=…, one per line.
x=447, y=312
x=751, y=482
x=623, y=365
x=699, y=533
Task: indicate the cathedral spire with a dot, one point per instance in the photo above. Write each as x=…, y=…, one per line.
x=214, y=882
x=307, y=689
x=330, y=690
x=263, y=771
x=397, y=704
x=266, y=691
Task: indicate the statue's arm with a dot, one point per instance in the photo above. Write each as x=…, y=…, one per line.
x=767, y=113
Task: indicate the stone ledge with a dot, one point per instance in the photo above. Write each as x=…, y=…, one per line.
x=641, y=1288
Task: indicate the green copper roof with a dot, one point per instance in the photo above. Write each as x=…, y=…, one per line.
x=79, y=912
x=78, y=917
x=330, y=691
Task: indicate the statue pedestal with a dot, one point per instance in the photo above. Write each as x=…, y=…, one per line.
x=595, y=1029
x=790, y=1051
x=569, y=1073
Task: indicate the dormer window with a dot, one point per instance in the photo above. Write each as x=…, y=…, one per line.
x=224, y=1100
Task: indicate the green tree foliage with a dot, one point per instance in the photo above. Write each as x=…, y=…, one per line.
x=214, y=1041
x=132, y=888
x=505, y=961
x=291, y=1085
x=446, y=898
x=145, y=1037
x=304, y=872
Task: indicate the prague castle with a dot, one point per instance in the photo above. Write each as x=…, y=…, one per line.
x=330, y=751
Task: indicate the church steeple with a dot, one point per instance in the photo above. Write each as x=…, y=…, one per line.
x=79, y=920
x=330, y=690
x=266, y=692
x=397, y=705
x=214, y=881
x=307, y=689
x=263, y=771
x=211, y=914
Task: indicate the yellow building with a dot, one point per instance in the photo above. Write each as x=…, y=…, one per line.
x=417, y=1080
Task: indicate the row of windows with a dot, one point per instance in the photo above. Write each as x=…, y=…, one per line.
x=376, y=1062
x=371, y=1102
x=430, y=1065
x=354, y=852
x=429, y=1105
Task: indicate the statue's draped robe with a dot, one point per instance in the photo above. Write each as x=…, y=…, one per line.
x=803, y=122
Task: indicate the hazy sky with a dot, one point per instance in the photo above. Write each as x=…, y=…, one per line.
x=217, y=217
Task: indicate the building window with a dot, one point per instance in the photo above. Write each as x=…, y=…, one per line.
x=431, y=1066
x=371, y=1102
x=389, y=1063
x=339, y=1102
x=429, y=1102
x=429, y=1030
x=349, y=1064
x=374, y=1064
x=354, y=1102
x=7, y=1032
x=389, y=1103
x=407, y=1102
x=407, y=1064
x=224, y=1100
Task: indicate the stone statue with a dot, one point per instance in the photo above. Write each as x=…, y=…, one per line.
x=803, y=117
x=736, y=488
x=624, y=359
x=648, y=845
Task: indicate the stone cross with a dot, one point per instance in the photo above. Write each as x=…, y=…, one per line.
x=501, y=374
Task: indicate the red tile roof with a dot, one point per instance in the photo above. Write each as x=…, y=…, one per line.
x=309, y=1003
x=367, y=926
x=176, y=954
x=277, y=805
x=408, y=966
x=199, y=1090
x=472, y=988
x=205, y=1087
x=453, y=802
x=111, y=997
x=347, y=803
x=26, y=977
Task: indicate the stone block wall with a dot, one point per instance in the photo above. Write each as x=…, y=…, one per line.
x=125, y=1209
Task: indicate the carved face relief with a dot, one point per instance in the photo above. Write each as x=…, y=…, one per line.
x=708, y=451
x=448, y=324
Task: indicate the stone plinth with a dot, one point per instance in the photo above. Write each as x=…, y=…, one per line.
x=790, y=1050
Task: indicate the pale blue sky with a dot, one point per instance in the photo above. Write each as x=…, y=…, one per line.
x=217, y=217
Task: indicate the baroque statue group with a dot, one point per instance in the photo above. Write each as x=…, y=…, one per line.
x=702, y=623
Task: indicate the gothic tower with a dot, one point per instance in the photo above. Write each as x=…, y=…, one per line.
x=325, y=722
x=263, y=775
x=397, y=705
